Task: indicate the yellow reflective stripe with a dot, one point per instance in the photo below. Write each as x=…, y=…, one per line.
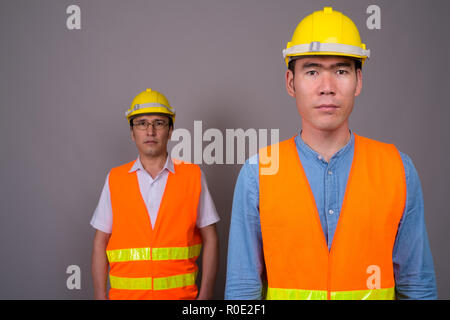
x=169, y=253
x=298, y=294
x=130, y=283
x=295, y=294
x=128, y=254
x=375, y=294
x=176, y=252
x=178, y=281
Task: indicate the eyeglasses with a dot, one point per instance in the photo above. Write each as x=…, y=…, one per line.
x=156, y=124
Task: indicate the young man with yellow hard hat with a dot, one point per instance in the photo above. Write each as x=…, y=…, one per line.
x=154, y=215
x=343, y=216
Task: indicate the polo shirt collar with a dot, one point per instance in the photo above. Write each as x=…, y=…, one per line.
x=137, y=165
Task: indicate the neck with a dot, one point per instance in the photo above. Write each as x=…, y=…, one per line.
x=326, y=143
x=153, y=164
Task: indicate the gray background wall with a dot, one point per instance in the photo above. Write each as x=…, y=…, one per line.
x=64, y=92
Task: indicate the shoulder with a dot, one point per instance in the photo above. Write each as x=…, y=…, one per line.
x=187, y=171
x=184, y=166
x=288, y=143
x=251, y=165
x=411, y=174
x=380, y=147
x=249, y=174
x=121, y=171
x=377, y=149
x=125, y=167
x=369, y=142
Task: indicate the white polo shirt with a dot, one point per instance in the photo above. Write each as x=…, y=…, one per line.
x=152, y=191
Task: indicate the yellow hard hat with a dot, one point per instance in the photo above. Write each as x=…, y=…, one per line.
x=326, y=32
x=150, y=101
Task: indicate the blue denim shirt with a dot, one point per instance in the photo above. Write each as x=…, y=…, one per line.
x=413, y=264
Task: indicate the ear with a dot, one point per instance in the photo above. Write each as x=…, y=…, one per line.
x=359, y=79
x=170, y=132
x=290, y=87
x=132, y=134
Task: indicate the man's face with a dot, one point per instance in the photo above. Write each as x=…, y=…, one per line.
x=324, y=88
x=152, y=141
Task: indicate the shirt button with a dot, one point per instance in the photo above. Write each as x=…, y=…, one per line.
x=330, y=172
x=319, y=157
x=330, y=211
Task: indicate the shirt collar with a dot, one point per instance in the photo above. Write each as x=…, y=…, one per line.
x=310, y=153
x=137, y=165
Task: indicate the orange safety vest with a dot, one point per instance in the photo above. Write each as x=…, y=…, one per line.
x=159, y=262
x=359, y=264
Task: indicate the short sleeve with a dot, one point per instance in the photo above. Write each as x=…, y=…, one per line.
x=102, y=218
x=207, y=213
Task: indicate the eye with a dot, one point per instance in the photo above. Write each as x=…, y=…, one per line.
x=141, y=124
x=311, y=72
x=159, y=123
x=342, y=72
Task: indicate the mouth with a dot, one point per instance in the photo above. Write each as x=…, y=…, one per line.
x=327, y=107
x=150, y=142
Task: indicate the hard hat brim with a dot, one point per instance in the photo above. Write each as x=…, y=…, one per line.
x=337, y=54
x=151, y=108
x=150, y=114
x=316, y=48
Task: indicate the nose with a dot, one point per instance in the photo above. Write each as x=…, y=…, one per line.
x=151, y=130
x=327, y=85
